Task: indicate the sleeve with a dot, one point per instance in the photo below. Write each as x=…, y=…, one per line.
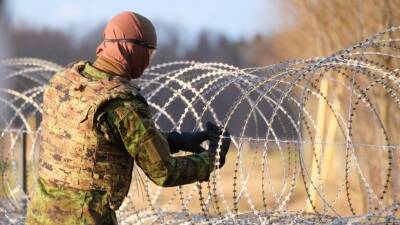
x=131, y=121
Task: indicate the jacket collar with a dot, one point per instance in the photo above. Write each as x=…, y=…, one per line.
x=94, y=73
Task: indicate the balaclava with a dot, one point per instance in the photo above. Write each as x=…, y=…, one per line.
x=129, y=41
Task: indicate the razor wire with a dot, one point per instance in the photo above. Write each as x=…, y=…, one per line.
x=280, y=118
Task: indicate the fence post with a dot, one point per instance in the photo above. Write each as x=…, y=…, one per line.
x=24, y=162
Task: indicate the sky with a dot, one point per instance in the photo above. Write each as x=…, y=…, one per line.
x=235, y=18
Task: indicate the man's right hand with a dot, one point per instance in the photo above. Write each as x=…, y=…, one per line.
x=187, y=141
x=214, y=134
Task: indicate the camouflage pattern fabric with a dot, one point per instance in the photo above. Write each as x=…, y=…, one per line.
x=56, y=205
x=74, y=151
x=143, y=141
x=124, y=122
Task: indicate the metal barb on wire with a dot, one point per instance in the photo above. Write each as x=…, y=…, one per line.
x=274, y=131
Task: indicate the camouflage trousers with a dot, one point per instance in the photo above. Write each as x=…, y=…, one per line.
x=52, y=205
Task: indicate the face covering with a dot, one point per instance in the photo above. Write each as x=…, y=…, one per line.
x=129, y=41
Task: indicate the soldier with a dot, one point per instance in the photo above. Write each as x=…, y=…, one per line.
x=96, y=125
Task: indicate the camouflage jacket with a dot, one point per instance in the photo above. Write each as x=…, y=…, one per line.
x=128, y=122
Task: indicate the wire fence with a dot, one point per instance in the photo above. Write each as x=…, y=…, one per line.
x=314, y=140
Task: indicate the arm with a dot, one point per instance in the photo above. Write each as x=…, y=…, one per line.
x=130, y=120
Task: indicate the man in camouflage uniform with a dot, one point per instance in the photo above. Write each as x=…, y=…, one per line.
x=96, y=125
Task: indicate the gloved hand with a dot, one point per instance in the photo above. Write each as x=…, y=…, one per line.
x=214, y=134
x=186, y=141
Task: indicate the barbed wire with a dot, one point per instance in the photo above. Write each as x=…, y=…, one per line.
x=303, y=135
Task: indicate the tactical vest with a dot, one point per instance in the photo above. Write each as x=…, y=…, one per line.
x=74, y=152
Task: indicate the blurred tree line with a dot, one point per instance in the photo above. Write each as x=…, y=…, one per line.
x=320, y=28
x=25, y=40
x=61, y=47
x=1, y=6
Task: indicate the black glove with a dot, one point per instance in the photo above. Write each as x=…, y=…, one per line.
x=214, y=133
x=190, y=142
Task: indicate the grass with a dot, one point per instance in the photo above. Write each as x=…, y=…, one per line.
x=276, y=188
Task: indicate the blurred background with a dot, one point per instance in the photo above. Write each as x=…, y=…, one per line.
x=66, y=31
x=240, y=33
